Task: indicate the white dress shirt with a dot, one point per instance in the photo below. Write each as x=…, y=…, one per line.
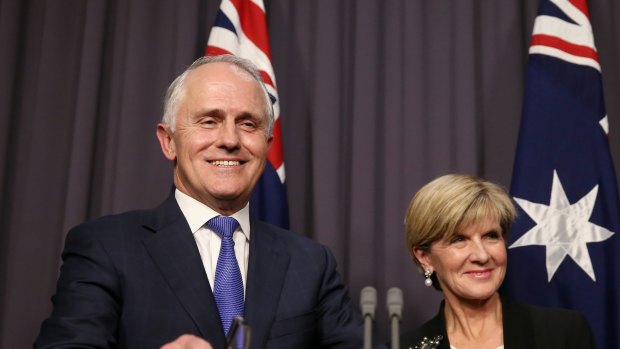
x=197, y=214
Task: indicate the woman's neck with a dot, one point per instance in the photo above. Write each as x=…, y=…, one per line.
x=476, y=323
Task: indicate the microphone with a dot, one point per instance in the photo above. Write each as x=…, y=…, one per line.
x=395, y=309
x=368, y=303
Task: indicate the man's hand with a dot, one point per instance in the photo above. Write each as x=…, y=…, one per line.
x=188, y=341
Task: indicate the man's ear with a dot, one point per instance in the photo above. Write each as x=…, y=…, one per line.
x=423, y=257
x=166, y=141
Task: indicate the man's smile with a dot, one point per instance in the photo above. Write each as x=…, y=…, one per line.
x=225, y=163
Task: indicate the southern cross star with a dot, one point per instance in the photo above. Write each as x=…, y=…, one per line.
x=563, y=228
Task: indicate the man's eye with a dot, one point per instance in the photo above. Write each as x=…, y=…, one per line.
x=208, y=122
x=249, y=124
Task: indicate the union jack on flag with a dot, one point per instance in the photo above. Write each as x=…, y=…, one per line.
x=564, y=249
x=241, y=29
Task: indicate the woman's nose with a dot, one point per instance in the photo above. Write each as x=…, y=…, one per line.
x=479, y=252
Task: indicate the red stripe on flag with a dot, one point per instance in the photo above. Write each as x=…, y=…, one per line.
x=582, y=6
x=216, y=51
x=275, y=152
x=267, y=79
x=555, y=42
x=254, y=24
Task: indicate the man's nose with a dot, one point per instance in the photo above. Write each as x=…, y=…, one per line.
x=228, y=136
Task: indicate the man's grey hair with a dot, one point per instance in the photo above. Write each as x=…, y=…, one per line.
x=176, y=90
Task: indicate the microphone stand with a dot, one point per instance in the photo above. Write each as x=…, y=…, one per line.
x=395, y=309
x=368, y=304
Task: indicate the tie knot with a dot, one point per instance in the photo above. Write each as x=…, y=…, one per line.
x=223, y=226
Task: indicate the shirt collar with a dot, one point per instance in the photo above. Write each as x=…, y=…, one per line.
x=197, y=214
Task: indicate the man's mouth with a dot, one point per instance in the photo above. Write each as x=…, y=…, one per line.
x=225, y=163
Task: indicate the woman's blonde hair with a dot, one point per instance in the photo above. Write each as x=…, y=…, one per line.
x=450, y=203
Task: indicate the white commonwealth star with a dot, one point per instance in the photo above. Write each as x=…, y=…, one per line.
x=563, y=228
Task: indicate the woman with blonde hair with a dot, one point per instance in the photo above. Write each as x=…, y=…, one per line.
x=456, y=227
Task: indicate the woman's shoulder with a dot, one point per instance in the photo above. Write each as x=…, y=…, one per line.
x=551, y=326
x=543, y=315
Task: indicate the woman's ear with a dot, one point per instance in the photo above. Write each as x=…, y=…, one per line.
x=422, y=255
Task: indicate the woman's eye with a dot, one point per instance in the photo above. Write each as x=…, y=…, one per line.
x=456, y=239
x=493, y=235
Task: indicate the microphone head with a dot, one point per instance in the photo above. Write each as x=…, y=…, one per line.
x=368, y=301
x=395, y=302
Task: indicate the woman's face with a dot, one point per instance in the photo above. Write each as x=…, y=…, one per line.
x=470, y=265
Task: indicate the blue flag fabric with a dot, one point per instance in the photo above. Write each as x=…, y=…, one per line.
x=564, y=249
x=269, y=202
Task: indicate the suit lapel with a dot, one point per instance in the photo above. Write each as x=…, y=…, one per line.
x=174, y=251
x=269, y=261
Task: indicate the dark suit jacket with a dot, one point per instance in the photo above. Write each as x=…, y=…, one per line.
x=525, y=327
x=136, y=280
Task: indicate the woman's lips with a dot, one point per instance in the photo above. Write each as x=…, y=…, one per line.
x=480, y=274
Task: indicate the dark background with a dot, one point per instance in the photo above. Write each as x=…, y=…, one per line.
x=377, y=98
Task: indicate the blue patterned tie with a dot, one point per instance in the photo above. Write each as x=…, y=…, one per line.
x=228, y=289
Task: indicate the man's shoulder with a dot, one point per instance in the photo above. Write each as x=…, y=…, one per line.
x=115, y=219
x=149, y=218
x=113, y=225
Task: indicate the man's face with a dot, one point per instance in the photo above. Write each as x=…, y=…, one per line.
x=220, y=143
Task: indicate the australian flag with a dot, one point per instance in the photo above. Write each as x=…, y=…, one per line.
x=564, y=248
x=240, y=29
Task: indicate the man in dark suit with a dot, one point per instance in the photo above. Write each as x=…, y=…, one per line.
x=168, y=275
